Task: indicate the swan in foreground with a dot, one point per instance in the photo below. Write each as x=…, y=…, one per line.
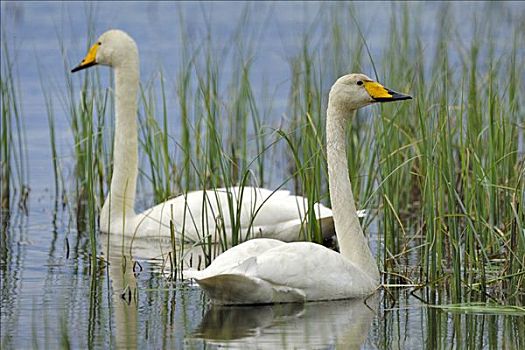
x=195, y=215
x=263, y=271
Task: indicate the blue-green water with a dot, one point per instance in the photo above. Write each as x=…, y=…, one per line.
x=50, y=297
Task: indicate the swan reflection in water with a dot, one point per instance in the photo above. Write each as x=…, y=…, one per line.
x=126, y=259
x=163, y=257
x=341, y=323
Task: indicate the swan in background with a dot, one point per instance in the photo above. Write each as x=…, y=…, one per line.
x=263, y=271
x=279, y=214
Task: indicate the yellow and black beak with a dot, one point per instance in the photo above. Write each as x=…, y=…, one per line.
x=89, y=60
x=381, y=94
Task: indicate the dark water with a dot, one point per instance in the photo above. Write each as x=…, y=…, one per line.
x=50, y=296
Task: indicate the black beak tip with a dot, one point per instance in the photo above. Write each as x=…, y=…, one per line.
x=395, y=96
x=83, y=66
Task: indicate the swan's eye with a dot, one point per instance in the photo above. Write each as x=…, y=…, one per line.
x=99, y=43
x=359, y=83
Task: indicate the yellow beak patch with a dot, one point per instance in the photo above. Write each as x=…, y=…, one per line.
x=91, y=55
x=376, y=90
x=89, y=60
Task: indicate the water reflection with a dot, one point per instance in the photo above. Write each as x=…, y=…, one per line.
x=124, y=300
x=127, y=259
x=342, y=323
x=267, y=326
x=43, y=304
x=163, y=257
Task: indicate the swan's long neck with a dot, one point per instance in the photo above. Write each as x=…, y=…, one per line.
x=352, y=242
x=121, y=197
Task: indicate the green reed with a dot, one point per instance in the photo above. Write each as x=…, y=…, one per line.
x=13, y=154
x=156, y=143
x=86, y=113
x=222, y=140
x=310, y=82
x=449, y=178
x=219, y=152
x=460, y=174
x=307, y=132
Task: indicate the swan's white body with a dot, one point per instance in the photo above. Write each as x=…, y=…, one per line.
x=269, y=271
x=264, y=270
x=197, y=214
x=258, y=212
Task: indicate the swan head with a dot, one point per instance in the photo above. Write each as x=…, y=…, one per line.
x=353, y=91
x=114, y=48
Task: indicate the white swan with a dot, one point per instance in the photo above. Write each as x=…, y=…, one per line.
x=270, y=271
x=280, y=215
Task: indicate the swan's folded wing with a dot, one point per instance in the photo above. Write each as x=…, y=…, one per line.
x=239, y=259
x=320, y=273
x=282, y=216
